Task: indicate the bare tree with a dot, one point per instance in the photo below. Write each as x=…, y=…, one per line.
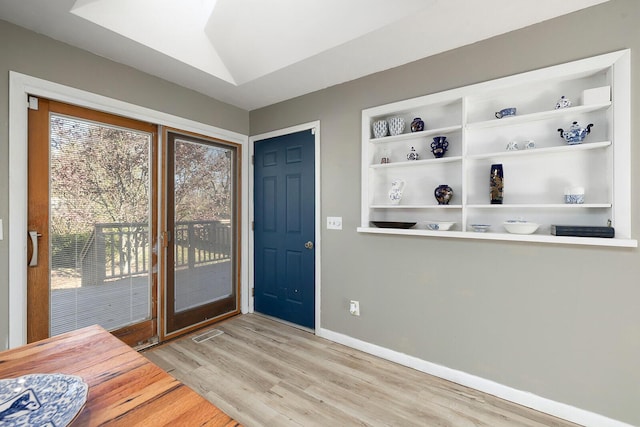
x=98, y=174
x=202, y=182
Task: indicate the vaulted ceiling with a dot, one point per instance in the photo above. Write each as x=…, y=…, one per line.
x=253, y=53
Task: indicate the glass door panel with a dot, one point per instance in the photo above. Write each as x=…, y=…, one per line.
x=92, y=223
x=202, y=279
x=100, y=211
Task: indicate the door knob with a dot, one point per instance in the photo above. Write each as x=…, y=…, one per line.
x=309, y=245
x=34, y=245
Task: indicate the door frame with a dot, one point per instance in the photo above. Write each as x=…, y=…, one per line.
x=239, y=251
x=22, y=85
x=314, y=127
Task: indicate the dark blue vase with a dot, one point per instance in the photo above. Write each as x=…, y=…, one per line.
x=443, y=194
x=439, y=146
x=496, y=184
x=417, y=125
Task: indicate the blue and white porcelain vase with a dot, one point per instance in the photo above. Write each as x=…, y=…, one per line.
x=380, y=129
x=413, y=154
x=396, y=125
x=395, y=194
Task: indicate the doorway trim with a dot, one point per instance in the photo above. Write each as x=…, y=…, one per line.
x=22, y=85
x=315, y=128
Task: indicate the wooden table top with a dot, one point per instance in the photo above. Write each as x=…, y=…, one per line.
x=125, y=388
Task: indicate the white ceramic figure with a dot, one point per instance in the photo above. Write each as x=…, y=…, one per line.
x=563, y=102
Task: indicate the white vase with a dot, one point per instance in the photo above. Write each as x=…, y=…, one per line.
x=396, y=125
x=380, y=129
x=395, y=194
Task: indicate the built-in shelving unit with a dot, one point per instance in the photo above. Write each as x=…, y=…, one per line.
x=535, y=178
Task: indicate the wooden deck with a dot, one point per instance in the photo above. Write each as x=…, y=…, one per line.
x=122, y=302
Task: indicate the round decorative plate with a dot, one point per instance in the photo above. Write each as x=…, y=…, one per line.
x=51, y=400
x=393, y=224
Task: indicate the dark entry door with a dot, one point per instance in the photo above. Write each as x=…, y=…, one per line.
x=284, y=231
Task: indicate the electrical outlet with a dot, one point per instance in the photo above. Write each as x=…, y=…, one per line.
x=334, y=223
x=354, y=308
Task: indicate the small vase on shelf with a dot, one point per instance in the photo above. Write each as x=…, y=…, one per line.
x=395, y=194
x=380, y=129
x=417, y=125
x=439, y=146
x=496, y=184
x=443, y=194
x=412, y=155
x=396, y=125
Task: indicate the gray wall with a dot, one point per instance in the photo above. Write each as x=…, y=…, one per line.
x=559, y=321
x=32, y=54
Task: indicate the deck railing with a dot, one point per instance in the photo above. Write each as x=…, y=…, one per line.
x=119, y=250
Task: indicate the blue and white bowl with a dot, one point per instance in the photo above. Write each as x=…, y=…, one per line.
x=439, y=225
x=480, y=228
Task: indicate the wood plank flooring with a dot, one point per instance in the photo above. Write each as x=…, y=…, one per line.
x=264, y=373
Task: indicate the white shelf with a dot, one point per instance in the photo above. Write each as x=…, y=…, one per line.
x=412, y=135
x=541, y=151
x=412, y=163
x=415, y=206
x=540, y=238
x=543, y=205
x=543, y=115
x=536, y=177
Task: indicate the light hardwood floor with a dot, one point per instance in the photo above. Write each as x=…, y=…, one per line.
x=264, y=373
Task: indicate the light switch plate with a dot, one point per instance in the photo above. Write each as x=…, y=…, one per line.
x=334, y=223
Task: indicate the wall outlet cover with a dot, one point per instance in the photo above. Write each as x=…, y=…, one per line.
x=354, y=308
x=334, y=223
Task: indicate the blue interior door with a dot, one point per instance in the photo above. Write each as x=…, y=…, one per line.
x=284, y=229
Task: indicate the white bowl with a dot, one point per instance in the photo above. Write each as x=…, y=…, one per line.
x=520, y=227
x=439, y=225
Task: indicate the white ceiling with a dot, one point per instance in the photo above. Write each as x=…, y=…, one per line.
x=253, y=53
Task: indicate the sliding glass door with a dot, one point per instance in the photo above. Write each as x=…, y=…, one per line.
x=91, y=223
x=202, y=230
x=94, y=230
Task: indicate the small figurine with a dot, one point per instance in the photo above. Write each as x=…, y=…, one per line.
x=413, y=155
x=563, y=102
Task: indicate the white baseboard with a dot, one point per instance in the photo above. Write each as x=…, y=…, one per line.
x=530, y=400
